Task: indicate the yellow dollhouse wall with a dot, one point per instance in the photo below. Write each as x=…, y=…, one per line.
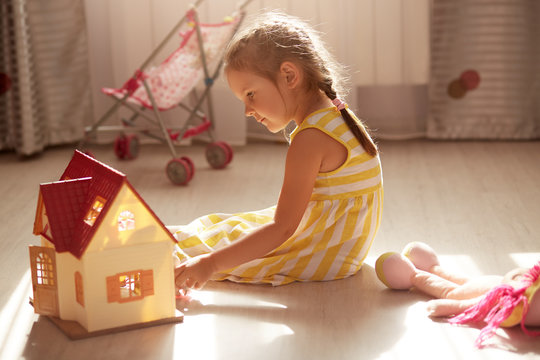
x=128, y=239
x=100, y=265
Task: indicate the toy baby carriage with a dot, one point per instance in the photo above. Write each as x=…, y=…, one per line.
x=165, y=86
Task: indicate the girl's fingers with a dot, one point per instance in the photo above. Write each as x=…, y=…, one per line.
x=198, y=285
x=190, y=283
x=180, y=280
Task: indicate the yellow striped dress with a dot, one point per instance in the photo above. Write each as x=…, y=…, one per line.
x=334, y=235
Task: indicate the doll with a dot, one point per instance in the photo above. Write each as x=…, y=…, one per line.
x=504, y=301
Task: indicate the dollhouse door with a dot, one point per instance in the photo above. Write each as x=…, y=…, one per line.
x=44, y=284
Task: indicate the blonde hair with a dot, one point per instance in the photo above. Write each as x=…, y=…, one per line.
x=273, y=38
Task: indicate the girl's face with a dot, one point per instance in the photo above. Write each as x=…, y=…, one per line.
x=263, y=100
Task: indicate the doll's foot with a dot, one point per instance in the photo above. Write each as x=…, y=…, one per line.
x=395, y=270
x=421, y=255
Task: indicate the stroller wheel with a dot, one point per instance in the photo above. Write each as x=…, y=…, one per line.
x=178, y=171
x=191, y=166
x=120, y=146
x=229, y=151
x=217, y=155
x=126, y=147
x=131, y=147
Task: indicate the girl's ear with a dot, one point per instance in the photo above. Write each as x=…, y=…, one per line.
x=291, y=74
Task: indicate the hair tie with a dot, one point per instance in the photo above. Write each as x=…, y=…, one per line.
x=339, y=104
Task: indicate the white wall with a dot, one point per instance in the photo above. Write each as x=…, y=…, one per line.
x=382, y=42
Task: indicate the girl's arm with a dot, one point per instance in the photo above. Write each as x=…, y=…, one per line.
x=303, y=162
x=301, y=168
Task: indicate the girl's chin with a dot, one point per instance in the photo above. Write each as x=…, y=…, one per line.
x=274, y=130
x=272, y=127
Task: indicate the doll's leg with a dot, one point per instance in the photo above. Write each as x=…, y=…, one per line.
x=433, y=285
x=444, y=273
x=424, y=258
x=395, y=271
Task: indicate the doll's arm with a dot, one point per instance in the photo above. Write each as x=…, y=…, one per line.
x=449, y=307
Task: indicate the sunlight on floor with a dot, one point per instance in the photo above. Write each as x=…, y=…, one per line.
x=206, y=297
x=228, y=314
x=260, y=303
x=203, y=325
x=202, y=345
x=460, y=264
x=268, y=332
x=16, y=319
x=526, y=260
x=448, y=340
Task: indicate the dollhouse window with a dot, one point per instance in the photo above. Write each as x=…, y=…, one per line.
x=130, y=286
x=95, y=210
x=126, y=221
x=44, y=270
x=79, y=295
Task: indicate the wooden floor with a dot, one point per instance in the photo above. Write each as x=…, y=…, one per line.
x=476, y=203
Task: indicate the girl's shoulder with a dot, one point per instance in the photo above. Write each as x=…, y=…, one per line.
x=321, y=119
x=316, y=138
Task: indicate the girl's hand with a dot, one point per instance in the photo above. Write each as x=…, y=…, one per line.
x=194, y=273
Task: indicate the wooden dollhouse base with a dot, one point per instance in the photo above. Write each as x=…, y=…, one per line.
x=75, y=331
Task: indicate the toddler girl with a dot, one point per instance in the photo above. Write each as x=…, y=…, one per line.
x=330, y=203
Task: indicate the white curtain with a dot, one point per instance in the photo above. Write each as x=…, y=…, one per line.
x=485, y=70
x=45, y=57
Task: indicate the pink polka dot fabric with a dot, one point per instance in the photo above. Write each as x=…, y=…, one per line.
x=174, y=78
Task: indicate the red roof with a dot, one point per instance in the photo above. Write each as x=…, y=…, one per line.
x=65, y=202
x=68, y=201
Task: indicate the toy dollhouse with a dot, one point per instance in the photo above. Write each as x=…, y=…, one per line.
x=105, y=261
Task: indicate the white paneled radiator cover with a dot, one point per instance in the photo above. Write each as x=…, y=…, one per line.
x=394, y=112
x=485, y=70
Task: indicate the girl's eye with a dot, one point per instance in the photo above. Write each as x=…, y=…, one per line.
x=250, y=95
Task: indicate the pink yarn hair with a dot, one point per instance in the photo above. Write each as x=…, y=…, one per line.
x=497, y=305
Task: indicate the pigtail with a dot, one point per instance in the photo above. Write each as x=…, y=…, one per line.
x=360, y=132
x=356, y=126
